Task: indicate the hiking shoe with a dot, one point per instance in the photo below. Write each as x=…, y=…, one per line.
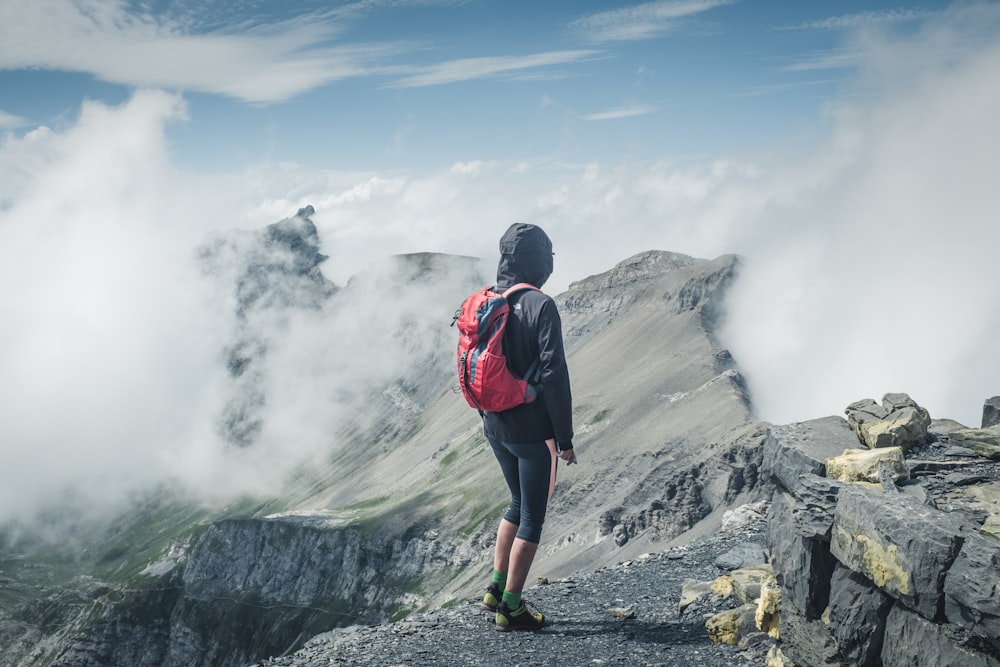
x=521, y=618
x=492, y=598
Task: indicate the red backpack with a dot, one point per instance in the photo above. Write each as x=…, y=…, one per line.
x=487, y=383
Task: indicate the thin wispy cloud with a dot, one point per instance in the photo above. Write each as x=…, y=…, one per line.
x=622, y=112
x=861, y=20
x=644, y=21
x=468, y=69
x=9, y=121
x=780, y=87
x=824, y=60
x=254, y=62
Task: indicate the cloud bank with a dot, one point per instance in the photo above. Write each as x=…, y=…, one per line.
x=869, y=268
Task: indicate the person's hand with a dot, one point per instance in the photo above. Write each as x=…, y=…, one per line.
x=568, y=455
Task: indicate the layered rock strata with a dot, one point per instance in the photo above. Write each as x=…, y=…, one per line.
x=885, y=566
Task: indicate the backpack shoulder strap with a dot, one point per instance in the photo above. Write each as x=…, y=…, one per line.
x=517, y=288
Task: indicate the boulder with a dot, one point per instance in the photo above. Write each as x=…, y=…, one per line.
x=803, y=448
x=898, y=422
x=742, y=555
x=857, y=617
x=983, y=441
x=691, y=591
x=866, y=465
x=991, y=412
x=730, y=626
x=912, y=640
x=905, y=548
x=972, y=588
x=745, y=583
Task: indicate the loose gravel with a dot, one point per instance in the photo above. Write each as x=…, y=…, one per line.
x=625, y=614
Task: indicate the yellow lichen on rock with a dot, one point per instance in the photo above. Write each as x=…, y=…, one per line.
x=775, y=658
x=730, y=626
x=723, y=585
x=766, y=616
x=883, y=566
x=861, y=465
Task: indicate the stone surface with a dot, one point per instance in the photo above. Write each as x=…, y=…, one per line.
x=745, y=583
x=743, y=555
x=857, y=617
x=991, y=412
x=806, y=642
x=814, y=505
x=902, y=546
x=911, y=640
x=796, y=449
x=731, y=626
x=767, y=617
x=692, y=590
x=580, y=631
x=972, y=588
x=863, y=465
x=984, y=441
x=802, y=565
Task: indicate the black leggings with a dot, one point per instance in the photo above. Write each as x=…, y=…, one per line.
x=529, y=469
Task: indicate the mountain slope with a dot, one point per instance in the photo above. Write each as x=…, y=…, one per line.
x=400, y=513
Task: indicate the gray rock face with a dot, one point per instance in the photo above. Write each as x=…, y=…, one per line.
x=991, y=412
x=802, y=565
x=913, y=640
x=857, y=617
x=972, y=588
x=870, y=575
x=814, y=505
x=798, y=449
x=904, y=547
x=983, y=441
x=252, y=588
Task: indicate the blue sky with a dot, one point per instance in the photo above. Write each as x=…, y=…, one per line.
x=847, y=151
x=389, y=84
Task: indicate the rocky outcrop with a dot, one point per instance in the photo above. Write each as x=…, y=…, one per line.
x=258, y=587
x=266, y=275
x=991, y=412
x=893, y=565
x=897, y=422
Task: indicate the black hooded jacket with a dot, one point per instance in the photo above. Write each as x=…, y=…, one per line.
x=534, y=332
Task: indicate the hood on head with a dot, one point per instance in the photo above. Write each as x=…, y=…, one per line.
x=525, y=256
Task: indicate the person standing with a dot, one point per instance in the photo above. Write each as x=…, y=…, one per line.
x=527, y=439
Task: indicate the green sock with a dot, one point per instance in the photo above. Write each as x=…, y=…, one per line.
x=500, y=579
x=513, y=600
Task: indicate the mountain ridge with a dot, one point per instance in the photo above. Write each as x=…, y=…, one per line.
x=417, y=488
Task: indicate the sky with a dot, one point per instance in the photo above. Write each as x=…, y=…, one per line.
x=847, y=151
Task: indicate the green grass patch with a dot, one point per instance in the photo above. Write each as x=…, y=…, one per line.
x=479, y=514
x=599, y=417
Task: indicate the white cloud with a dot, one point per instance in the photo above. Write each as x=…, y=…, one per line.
x=622, y=112
x=872, y=273
x=9, y=121
x=869, y=268
x=119, y=45
x=644, y=21
x=467, y=69
x=862, y=20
